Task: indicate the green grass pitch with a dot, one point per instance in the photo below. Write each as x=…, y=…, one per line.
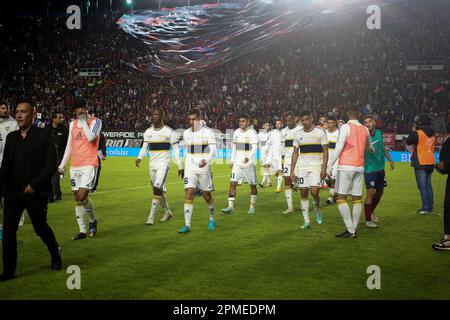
x=260, y=256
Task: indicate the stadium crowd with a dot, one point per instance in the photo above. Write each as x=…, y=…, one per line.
x=324, y=71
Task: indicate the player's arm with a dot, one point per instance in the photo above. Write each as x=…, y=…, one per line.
x=294, y=162
x=212, y=150
x=174, y=142
x=67, y=151
x=254, y=143
x=325, y=146
x=92, y=131
x=142, y=152
x=388, y=156
x=233, y=149
x=282, y=149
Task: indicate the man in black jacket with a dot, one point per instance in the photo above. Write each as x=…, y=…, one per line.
x=25, y=182
x=444, y=167
x=60, y=133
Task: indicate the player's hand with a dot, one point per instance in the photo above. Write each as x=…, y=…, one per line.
x=323, y=173
x=440, y=166
x=103, y=158
x=61, y=170
x=137, y=162
x=203, y=163
x=391, y=164
x=267, y=166
x=181, y=173
x=246, y=160
x=29, y=190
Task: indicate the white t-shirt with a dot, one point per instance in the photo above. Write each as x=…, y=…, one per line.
x=245, y=145
x=287, y=142
x=200, y=145
x=262, y=139
x=310, y=149
x=158, y=142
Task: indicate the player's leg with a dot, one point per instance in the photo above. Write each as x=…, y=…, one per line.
x=279, y=177
x=235, y=177
x=315, y=194
x=190, y=187
x=80, y=213
x=356, y=193
x=156, y=197
x=343, y=188
x=368, y=207
x=376, y=200
x=250, y=177
x=444, y=244
x=304, y=192
x=288, y=189
x=206, y=184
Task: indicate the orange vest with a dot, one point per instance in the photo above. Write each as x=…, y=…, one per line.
x=84, y=153
x=353, y=152
x=425, y=148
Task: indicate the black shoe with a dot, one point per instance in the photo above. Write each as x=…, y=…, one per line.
x=7, y=276
x=328, y=203
x=57, y=261
x=261, y=185
x=92, y=228
x=443, y=245
x=58, y=198
x=80, y=236
x=346, y=234
x=51, y=199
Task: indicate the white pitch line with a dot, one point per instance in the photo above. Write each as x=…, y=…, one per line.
x=147, y=186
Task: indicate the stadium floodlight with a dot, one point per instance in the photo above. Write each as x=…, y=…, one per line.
x=129, y=2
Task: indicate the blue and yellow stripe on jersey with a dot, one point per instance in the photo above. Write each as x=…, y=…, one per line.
x=311, y=148
x=331, y=145
x=197, y=148
x=158, y=145
x=289, y=143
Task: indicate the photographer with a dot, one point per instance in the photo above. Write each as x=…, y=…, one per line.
x=423, y=140
x=443, y=167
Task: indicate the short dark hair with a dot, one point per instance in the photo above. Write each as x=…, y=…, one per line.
x=244, y=116
x=161, y=110
x=331, y=117
x=289, y=114
x=368, y=117
x=3, y=103
x=26, y=101
x=79, y=103
x=305, y=113
x=353, y=109
x=195, y=111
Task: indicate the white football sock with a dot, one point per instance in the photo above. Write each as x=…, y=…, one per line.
x=89, y=207
x=212, y=209
x=305, y=209
x=288, y=194
x=253, y=200
x=344, y=210
x=231, y=202
x=155, y=202
x=188, y=209
x=22, y=220
x=164, y=204
x=357, y=210
x=279, y=181
x=80, y=214
x=316, y=204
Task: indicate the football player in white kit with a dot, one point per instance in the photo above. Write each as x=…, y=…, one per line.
x=263, y=135
x=158, y=139
x=287, y=147
x=7, y=124
x=332, y=134
x=311, y=150
x=274, y=153
x=200, y=152
x=243, y=162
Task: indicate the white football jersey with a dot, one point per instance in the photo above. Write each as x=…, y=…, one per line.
x=262, y=139
x=158, y=143
x=287, y=142
x=197, y=148
x=246, y=144
x=6, y=126
x=310, y=149
x=332, y=139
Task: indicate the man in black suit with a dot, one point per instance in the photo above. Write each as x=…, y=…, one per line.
x=25, y=183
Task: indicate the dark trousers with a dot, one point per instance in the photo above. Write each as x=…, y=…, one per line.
x=97, y=177
x=15, y=203
x=56, y=186
x=447, y=207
